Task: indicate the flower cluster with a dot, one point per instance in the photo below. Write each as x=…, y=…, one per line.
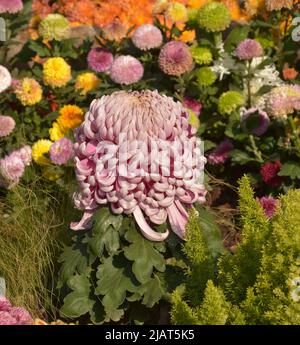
x=10, y=315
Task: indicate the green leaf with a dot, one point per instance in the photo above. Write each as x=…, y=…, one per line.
x=290, y=169
x=78, y=302
x=238, y=34
x=105, y=232
x=113, y=283
x=144, y=254
x=240, y=157
x=152, y=291
x=211, y=232
x=74, y=261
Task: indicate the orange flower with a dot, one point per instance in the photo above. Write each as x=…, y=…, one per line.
x=289, y=73
x=70, y=116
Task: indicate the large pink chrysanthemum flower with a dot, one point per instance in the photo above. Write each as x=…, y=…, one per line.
x=126, y=70
x=10, y=315
x=11, y=170
x=175, y=58
x=147, y=37
x=129, y=154
x=100, y=59
x=11, y=6
x=7, y=125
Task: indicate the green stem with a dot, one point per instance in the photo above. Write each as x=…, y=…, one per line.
x=248, y=79
x=255, y=149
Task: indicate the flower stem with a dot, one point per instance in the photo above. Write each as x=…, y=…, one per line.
x=255, y=149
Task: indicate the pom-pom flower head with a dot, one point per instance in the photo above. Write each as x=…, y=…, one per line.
x=201, y=55
x=70, y=117
x=56, y=72
x=249, y=49
x=11, y=170
x=7, y=125
x=100, y=59
x=230, y=101
x=61, y=151
x=39, y=151
x=175, y=58
x=214, y=17
x=55, y=27
x=126, y=70
x=57, y=132
x=86, y=82
x=283, y=100
x=269, y=173
x=141, y=181
x=255, y=121
x=147, y=37
x=11, y=6
x=177, y=12
x=5, y=78
x=206, y=76
x=29, y=92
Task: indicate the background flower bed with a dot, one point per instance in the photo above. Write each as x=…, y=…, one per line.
x=239, y=82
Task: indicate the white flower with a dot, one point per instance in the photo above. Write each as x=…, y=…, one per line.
x=224, y=65
x=5, y=78
x=267, y=76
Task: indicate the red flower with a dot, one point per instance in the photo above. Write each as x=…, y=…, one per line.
x=269, y=173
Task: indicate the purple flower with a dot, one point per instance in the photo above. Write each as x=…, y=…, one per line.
x=126, y=70
x=175, y=58
x=147, y=36
x=11, y=6
x=269, y=205
x=61, y=151
x=11, y=170
x=192, y=104
x=100, y=59
x=221, y=153
x=7, y=125
x=255, y=121
x=249, y=49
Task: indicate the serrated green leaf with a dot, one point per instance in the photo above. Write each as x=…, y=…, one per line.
x=73, y=260
x=144, y=254
x=290, y=169
x=105, y=232
x=77, y=302
x=152, y=291
x=113, y=283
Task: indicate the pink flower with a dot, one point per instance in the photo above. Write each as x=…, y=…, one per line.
x=126, y=70
x=5, y=78
x=4, y=304
x=6, y=319
x=7, y=125
x=221, y=153
x=269, y=173
x=11, y=6
x=100, y=59
x=25, y=154
x=61, y=151
x=11, y=170
x=269, y=205
x=147, y=37
x=192, y=104
x=249, y=49
x=255, y=121
x=175, y=58
x=129, y=154
x=21, y=316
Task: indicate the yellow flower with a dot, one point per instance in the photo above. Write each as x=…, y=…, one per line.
x=193, y=119
x=187, y=36
x=29, y=91
x=39, y=149
x=70, y=117
x=57, y=132
x=177, y=12
x=57, y=72
x=86, y=82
